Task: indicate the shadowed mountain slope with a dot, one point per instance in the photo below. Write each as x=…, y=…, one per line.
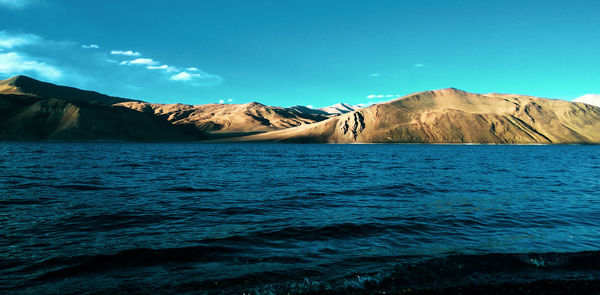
x=454, y=116
x=34, y=110
x=23, y=85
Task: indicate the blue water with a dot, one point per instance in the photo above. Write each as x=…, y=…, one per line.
x=276, y=218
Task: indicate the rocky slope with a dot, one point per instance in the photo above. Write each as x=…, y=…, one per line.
x=454, y=116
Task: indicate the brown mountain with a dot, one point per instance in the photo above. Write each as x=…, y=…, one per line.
x=35, y=110
x=454, y=116
x=53, y=112
x=228, y=119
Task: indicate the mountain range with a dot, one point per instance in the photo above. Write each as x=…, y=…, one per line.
x=35, y=110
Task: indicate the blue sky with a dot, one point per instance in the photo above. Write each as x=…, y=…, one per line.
x=303, y=51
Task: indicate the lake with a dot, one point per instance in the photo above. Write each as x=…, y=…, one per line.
x=80, y=218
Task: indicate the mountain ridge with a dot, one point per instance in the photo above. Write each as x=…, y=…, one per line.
x=24, y=85
x=451, y=115
x=35, y=110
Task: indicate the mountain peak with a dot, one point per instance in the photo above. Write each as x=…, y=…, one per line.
x=449, y=90
x=18, y=79
x=254, y=104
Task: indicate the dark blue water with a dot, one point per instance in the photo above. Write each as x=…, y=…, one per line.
x=269, y=218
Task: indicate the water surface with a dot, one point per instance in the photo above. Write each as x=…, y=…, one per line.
x=275, y=218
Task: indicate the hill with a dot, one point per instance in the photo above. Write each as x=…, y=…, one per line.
x=35, y=110
x=454, y=116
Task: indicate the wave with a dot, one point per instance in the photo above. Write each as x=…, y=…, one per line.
x=451, y=273
x=189, y=189
x=573, y=273
x=82, y=187
x=140, y=257
x=26, y=201
x=406, y=189
x=342, y=231
x=109, y=221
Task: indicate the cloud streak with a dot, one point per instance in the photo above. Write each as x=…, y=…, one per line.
x=10, y=41
x=13, y=62
x=16, y=63
x=125, y=52
x=183, y=76
x=91, y=46
x=139, y=61
x=197, y=78
x=191, y=75
x=378, y=98
x=17, y=4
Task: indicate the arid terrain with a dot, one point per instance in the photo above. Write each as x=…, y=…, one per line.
x=35, y=110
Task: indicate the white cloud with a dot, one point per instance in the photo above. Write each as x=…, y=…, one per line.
x=17, y=3
x=373, y=99
x=125, y=52
x=230, y=100
x=14, y=63
x=167, y=68
x=139, y=61
x=143, y=61
x=193, y=75
x=221, y=101
x=374, y=75
x=163, y=67
x=419, y=65
x=197, y=79
x=310, y=106
x=11, y=41
x=183, y=76
x=91, y=46
x=172, y=69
